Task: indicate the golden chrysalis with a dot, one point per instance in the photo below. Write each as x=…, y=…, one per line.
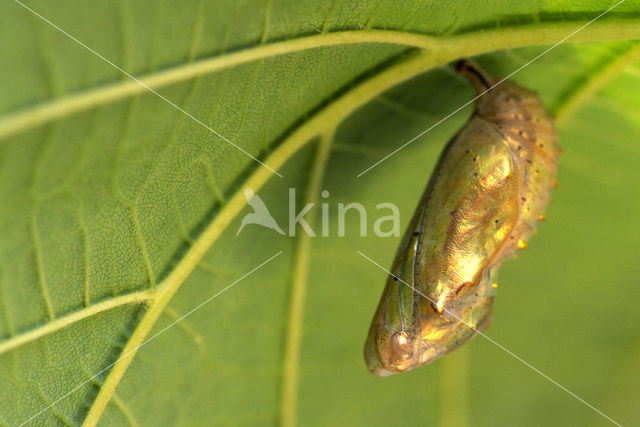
x=483, y=202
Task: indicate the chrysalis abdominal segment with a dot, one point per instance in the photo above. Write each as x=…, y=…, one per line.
x=483, y=202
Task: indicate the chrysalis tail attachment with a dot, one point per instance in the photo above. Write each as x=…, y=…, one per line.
x=481, y=81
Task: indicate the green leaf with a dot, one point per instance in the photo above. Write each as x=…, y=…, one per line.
x=120, y=212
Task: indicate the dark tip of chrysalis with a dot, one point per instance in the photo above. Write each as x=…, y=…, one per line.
x=462, y=64
x=481, y=81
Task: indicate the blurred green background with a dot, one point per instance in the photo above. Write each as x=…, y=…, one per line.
x=105, y=190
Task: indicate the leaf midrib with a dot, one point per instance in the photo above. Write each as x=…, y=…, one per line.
x=470, y=43
x=326, y=118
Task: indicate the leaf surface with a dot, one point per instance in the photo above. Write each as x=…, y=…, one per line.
x=119, y=212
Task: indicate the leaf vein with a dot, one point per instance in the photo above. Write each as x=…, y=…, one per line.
x=59, y=415
x=245, y=103
x=125, y=410
x=328, y=117
x=33, y=334
x=130, y=113
x=126, y=44
x=172, y=137
x=42, y=281
x=5, y=305
x=85, y=255
x=466, y=44
x=291, y=359
x=325, y=23
x=276, y=98
x=50, y=68
x=197, y=32
x=267, y=21
x=143, y=247
x=185, y=326
x=595, y=81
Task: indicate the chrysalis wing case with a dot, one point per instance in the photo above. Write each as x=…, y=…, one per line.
x=483, y=202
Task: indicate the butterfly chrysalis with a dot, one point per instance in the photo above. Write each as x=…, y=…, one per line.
x=483, y=202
